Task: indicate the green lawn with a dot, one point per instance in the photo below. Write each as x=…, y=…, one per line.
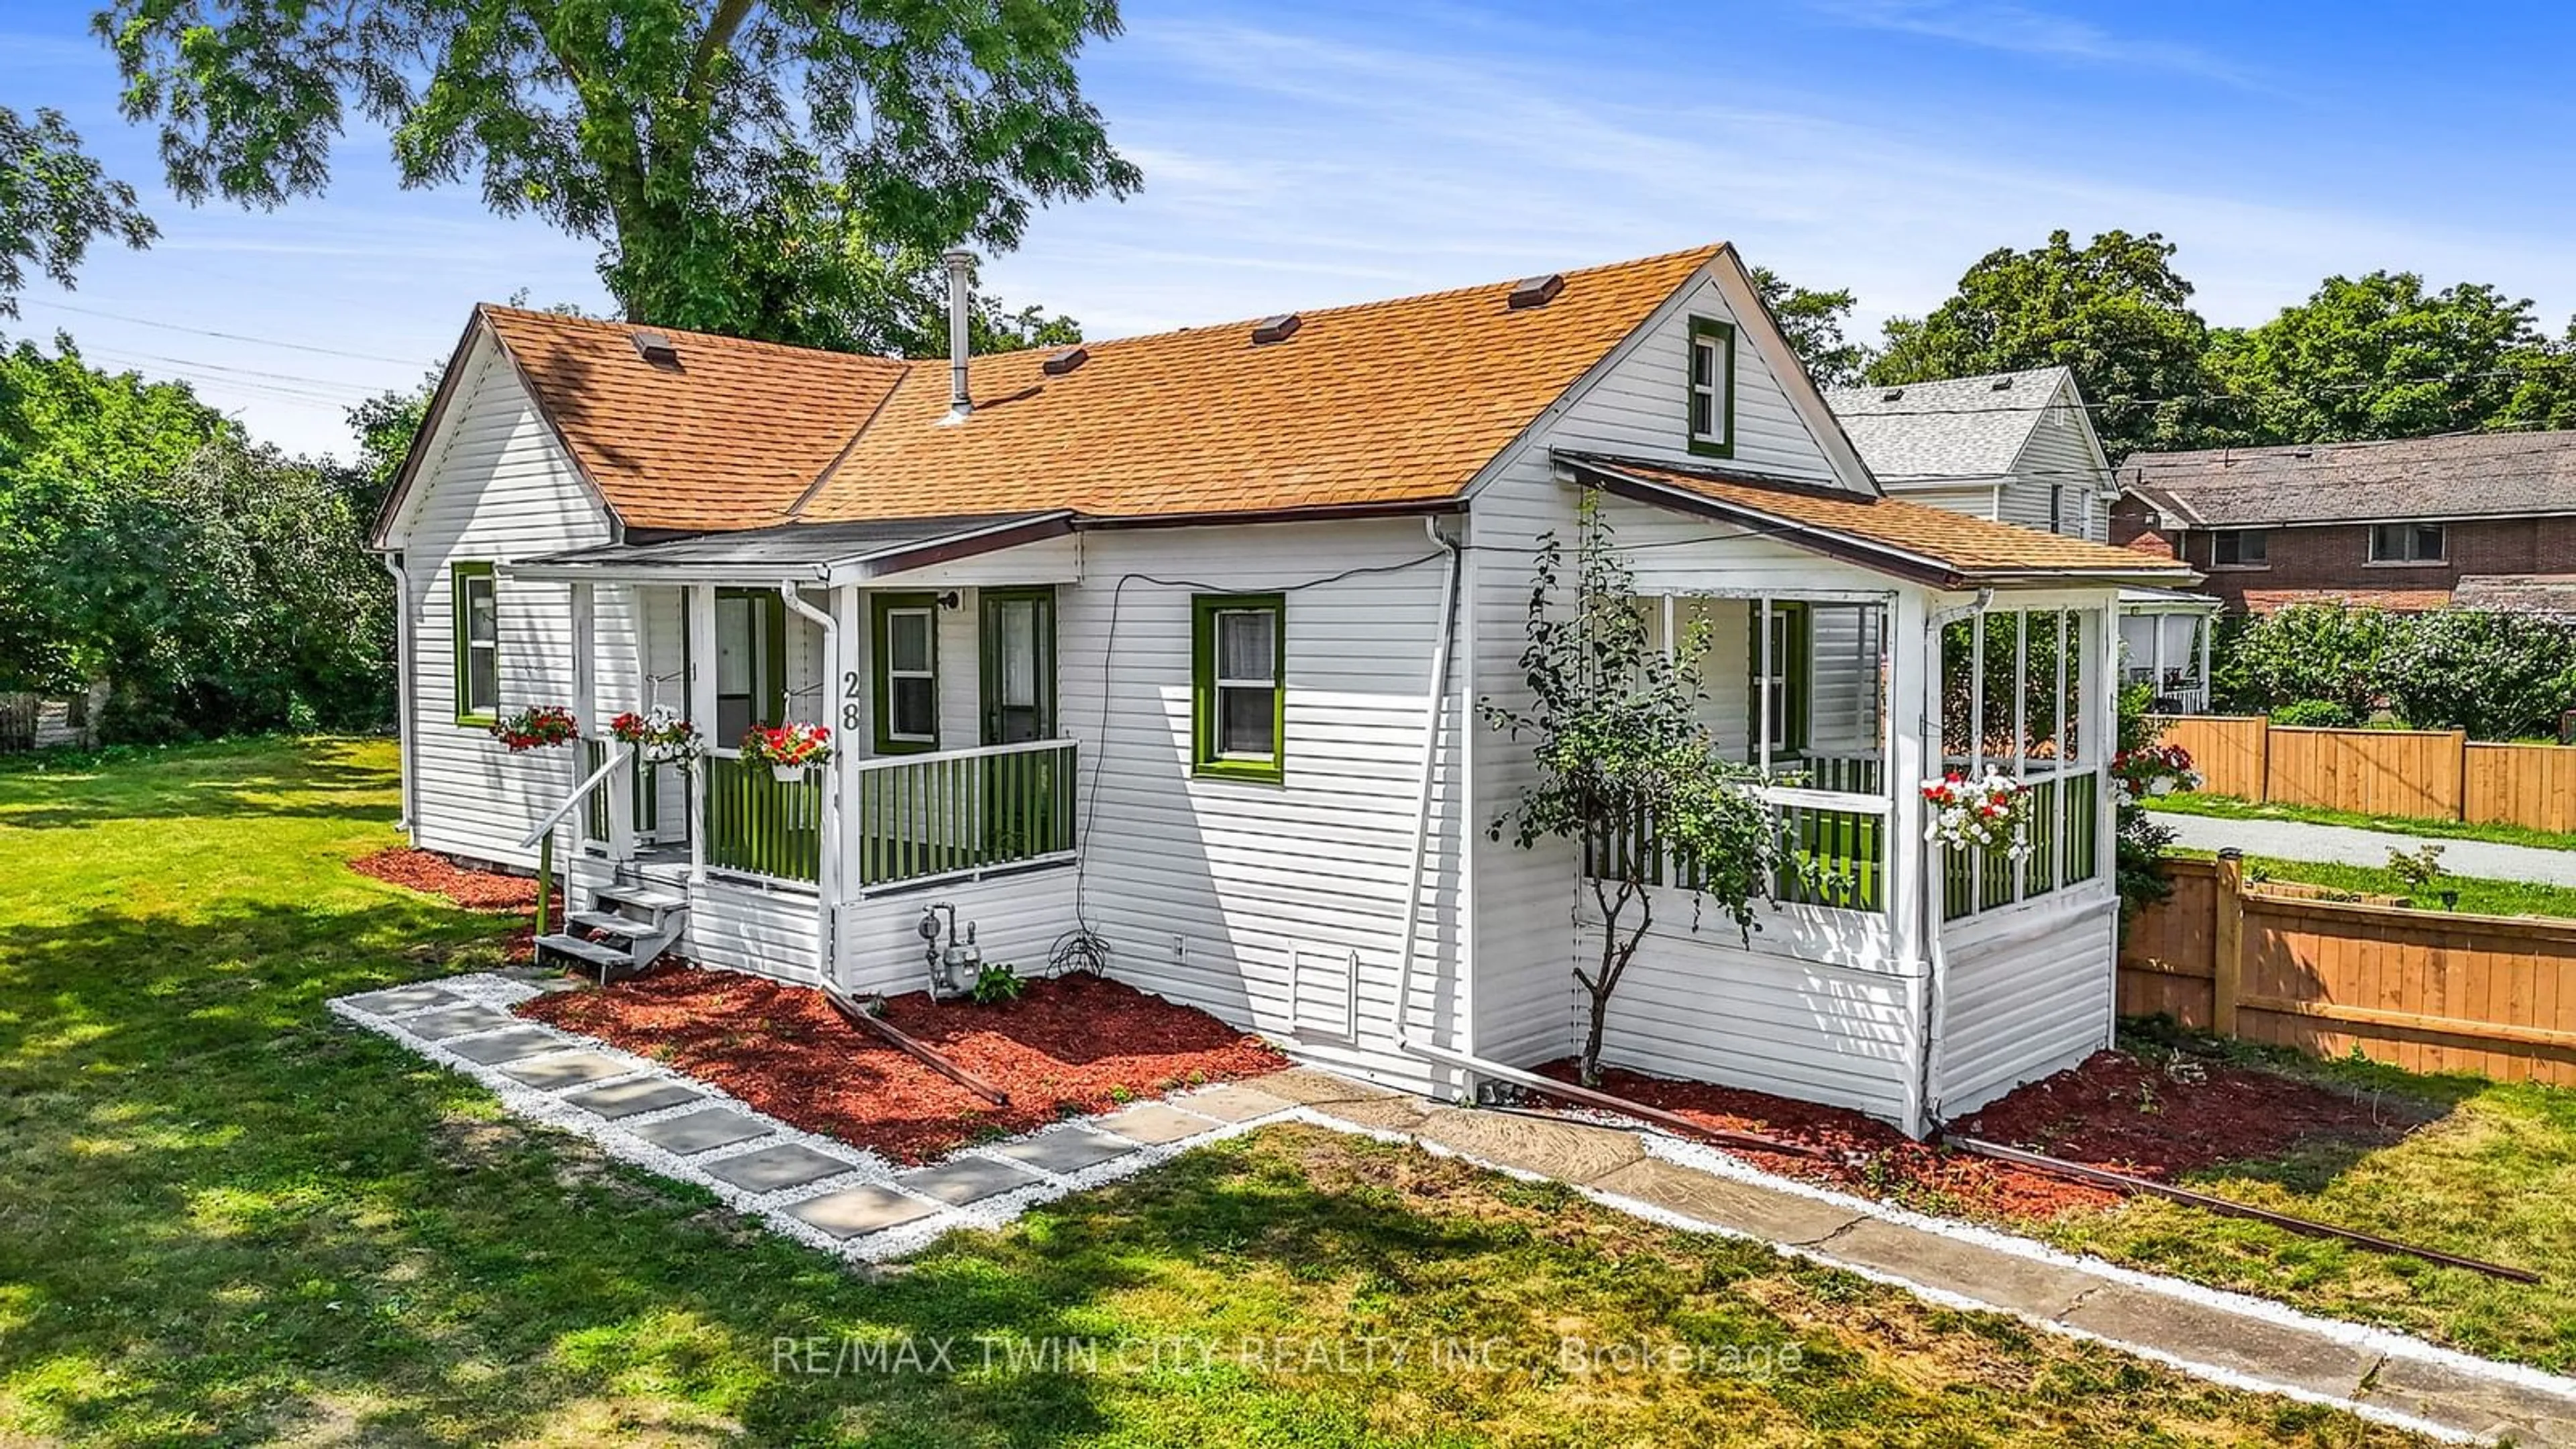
x=2479, y=896
x=2491, y=1176
x=2230, y=807
x=225, y=1218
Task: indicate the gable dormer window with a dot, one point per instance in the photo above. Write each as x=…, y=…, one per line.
x=1711, y=406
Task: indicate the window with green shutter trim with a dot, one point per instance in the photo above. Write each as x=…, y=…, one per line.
x=1709, y=401
x=474, y=617
x=1238, y=685
x=903, y=655
x=1791, y=677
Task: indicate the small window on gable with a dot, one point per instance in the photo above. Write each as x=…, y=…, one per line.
x=2239, y=548
x=2407, y=543
x=1238, y=678
x=905, y=643
x=474, y=615
x=1711, y=398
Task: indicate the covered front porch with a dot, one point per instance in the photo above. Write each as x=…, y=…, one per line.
x=929, y=653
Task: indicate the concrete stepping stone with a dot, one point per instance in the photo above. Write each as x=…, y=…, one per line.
x=962, y=1180
x=566, y=1069
x=1971, y=1270
x=1780, y=1217
x=1153, y=1124
x=1063, y=1152
x=2203, y=1333
x=1232, y=1103
x=457, y=1021
x=1567, y=1151
x=852, y=1211
x=704, y=1130
x=506, y=1046
x=2480, y=1405
x=397, y=1000
x=770, y=1169
x=628, y=1099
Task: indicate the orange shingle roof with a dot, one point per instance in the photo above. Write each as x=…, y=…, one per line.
x=728, y=436
x=1889, y=529
x=1383, y=403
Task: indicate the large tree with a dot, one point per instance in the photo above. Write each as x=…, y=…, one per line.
x=54, y=201
x=2380, y=357
x=1813, y=323
x=2114, y=310
x=783, y=169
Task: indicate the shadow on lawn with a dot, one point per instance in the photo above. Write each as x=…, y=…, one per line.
x=312, y=779
x=230, y=1215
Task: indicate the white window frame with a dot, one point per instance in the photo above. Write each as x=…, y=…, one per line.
x=929, y=616
x=1218, y=684
x=2413, y=534
x=1715, y=339
x=467, y=577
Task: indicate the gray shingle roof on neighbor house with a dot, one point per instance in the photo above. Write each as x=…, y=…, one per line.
x=2472, y=475
x=1958, y=427
x=2551, y=596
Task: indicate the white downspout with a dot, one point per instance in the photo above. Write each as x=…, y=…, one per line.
x=404, y=725
x=1436, y=695
x=827, y=870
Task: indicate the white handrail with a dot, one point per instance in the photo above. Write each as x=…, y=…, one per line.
x=892, y=762
x=616, y=757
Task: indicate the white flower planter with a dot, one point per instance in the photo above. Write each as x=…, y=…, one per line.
x=789, y=774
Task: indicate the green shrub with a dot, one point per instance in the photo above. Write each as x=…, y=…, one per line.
x=998, y=982
x=2321, y=713
x=2326, y=652
x=2497, y=676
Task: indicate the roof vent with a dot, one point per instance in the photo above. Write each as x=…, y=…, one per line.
x=1536, y=291
x=654, y=347
x=1893, y=394
x=1274, y=329
x=1064, y=360
x=2002, y=384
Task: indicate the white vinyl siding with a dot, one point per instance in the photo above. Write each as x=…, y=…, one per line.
x=2027, y=992
x=2061, y=458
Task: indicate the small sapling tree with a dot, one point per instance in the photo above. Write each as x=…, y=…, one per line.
x=1627, y=770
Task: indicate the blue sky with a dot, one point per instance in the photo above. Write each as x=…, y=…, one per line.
x=1308, y=155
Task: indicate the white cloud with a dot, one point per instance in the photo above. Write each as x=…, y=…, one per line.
x=2001, y=25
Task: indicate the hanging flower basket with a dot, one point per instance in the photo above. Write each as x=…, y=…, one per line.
x=540, y=727
x=661, y=737
x=1989, y=814
x=790, y=750
x=2152, y=770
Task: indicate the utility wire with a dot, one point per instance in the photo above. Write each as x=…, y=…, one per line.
x=226, y=336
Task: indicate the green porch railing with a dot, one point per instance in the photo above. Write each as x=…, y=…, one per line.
x=760, y=825
x=1848, y=848
x=961, y=811
x=2065, y=836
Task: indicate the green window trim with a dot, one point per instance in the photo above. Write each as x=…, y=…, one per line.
x=460, y=611
x=881, y=607
x=771, y=706
x=988, y=656
x=1205, y=757
x=1797, y=678
x=1720, y=337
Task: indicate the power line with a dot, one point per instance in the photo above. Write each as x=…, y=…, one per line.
x=226, y=336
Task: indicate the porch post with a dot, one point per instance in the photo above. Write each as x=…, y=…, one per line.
x=848, y=694
x=701, y=686
x=585, y=675
x=1906, y=764
x=2156, y=657
x=2206, y=626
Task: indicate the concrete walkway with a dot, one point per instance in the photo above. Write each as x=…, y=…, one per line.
x=2350, y=845
x=2247, y=1342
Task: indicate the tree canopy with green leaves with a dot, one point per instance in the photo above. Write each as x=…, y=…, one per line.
x=54, y=201
x=784, y=170
x=1813, y=323
x=2114, y=310
x=2380, y=357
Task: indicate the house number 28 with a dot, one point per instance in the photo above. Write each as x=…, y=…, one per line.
x=850, y=701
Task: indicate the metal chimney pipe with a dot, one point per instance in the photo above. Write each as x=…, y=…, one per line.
x=961, y=299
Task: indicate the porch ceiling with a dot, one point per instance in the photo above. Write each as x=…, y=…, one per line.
x=822, y=553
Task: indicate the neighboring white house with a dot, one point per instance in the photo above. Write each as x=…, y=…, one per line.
x=1180, y=640
x=2020, y=447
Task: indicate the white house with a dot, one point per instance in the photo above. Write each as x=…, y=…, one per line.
x=2020, y=447
x=1179, y=640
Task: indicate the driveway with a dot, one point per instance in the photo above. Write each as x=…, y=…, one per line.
x=2347, y=845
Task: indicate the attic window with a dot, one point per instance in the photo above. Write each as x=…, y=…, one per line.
x=1709, y=403
x=1062, y=362
x=654, y=347
x=1274, y=329
x=1536, y=291
x=1893, y=394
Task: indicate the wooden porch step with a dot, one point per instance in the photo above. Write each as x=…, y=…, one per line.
x=581, y=950
x=642, y=897
x=627, y=927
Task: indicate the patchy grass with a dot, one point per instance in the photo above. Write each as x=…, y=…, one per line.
x=2491, y=1175
x=2479, y=896
x=224, y=1218
x=2230, y=807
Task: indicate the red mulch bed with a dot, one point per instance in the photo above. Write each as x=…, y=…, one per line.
x=2115, y=1110
x=475, y=890
x=1069, y=1044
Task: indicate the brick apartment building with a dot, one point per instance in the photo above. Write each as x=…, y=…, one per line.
x=2483, y=520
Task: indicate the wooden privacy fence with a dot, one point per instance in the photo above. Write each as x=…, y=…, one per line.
x=2429, y=991
x=2429, y=774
